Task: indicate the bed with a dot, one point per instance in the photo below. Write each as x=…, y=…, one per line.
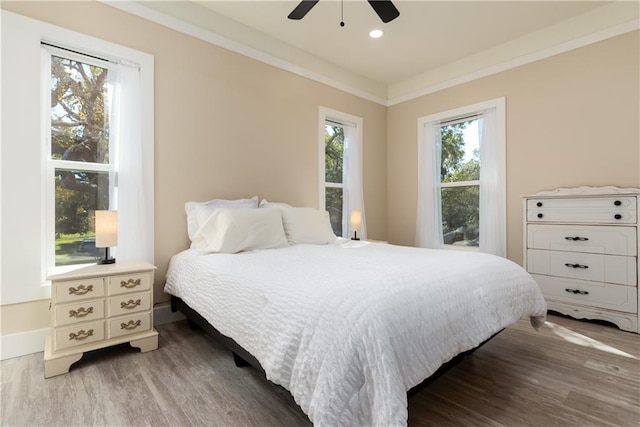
x=348, y=327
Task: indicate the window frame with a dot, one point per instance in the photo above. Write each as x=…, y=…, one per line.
x=333, y=118
x=456, y=115
x=24, y=274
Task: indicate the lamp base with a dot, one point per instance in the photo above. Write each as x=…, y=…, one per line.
x=355, y=236
x=107, y=258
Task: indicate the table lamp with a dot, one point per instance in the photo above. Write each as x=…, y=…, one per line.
x=106, y=233
x=356, y=223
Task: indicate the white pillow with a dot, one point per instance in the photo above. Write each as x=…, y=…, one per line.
x=196, y=210
x=264, y=203
x=241, y=229
x=307, y=225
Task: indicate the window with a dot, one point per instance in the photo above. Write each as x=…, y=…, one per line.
x=334, y=166
x=340, y=154
x=78, y=161
x=460, y=182
x=28, y=166
x=461, y=172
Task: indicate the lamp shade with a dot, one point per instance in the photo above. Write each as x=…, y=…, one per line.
x=106, y=229
x=356, y=220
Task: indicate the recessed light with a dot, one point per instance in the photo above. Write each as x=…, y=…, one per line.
x=376, y=34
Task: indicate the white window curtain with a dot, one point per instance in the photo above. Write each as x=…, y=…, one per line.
x=429, y=220
x=132, y=196
x=492, y=187
x=352, y=193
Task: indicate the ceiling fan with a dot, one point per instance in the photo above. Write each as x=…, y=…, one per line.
x=384, y=8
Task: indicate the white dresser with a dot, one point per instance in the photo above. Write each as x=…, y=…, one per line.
x=99, y=306
x=581, y=247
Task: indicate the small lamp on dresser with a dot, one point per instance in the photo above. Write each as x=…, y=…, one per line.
x=106, y=233
x=356, y=223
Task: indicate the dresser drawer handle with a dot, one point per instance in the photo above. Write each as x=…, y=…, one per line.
x=81, y=312
x=539, y=204
x=81, y=335
x=617, y=216
x=80, y=290
x=540, y=215
x=576, y=265
x=577, y=291
x=617, y=203
x=130, y=304
x=578, y=239
x=130, y=324
x=130, y=283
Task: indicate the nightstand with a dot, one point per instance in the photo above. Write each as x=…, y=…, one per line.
x=99, y=306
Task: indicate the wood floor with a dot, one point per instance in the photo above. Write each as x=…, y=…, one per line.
x=570, y=373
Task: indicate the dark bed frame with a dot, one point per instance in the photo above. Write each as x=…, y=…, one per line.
x=243, y=358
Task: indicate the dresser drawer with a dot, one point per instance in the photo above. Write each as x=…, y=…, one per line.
x=75, y=290
x=131, y=324
x=78, y=335
x=129, y=283
x=583, y=238
x=129, y=303
x=606, y=210
x=576, y=265
x=84, y=311
x=601, y=295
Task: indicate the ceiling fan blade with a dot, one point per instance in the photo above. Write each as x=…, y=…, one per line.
x=302, y=9
x=385, y=10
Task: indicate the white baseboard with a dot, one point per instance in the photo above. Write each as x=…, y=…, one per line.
x=30, y=342
x=24, y=343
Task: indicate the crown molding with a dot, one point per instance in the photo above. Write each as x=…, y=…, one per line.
x=423, y=89
x=192, y=30
x=522, y=60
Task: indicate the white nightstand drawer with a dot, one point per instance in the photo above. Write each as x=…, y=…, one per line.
x=129, y=303
x=78, y=335
x=601, y=295
x=583, y=238
x=598, y=268
x=129, y=283
x=78, y=312
x=75, y=290
x=126, y=325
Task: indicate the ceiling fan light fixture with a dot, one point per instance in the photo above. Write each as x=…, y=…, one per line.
x=376, y=34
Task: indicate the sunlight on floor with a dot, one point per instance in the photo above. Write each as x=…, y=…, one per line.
x=579, y=339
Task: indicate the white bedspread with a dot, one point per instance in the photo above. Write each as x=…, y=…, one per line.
x=349, y=328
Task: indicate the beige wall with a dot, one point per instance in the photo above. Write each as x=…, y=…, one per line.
x=572, y=119
x=226, y=126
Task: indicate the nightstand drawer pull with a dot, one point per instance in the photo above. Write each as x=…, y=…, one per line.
x=80, y=290
x=130, y=304
x=81, y=312
x=81, y=335
x=577, y=239
x=130, y=283
x=617, y=216
x=130, y=324
x=576, y=265
x=577, y=291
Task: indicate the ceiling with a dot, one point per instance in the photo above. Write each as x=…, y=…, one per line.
x=425, y=40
